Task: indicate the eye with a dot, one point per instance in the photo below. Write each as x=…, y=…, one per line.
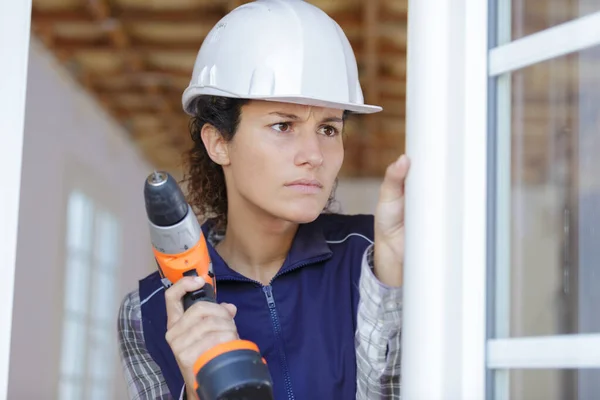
x=282, y=126
x=329, y=130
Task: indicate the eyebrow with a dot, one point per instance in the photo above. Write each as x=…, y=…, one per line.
x=294, y=117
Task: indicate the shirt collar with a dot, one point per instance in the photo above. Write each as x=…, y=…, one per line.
x=309, y=246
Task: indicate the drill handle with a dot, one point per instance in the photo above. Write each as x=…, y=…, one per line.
x=205, y=293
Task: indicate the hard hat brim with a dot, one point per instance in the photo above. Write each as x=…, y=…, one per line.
x=193, y=92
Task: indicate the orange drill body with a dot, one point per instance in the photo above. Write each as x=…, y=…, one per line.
x=192, y=262
x=233, y=370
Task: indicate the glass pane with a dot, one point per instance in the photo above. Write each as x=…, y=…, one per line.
x=79, y=222
x=77, y=282
x=103, y=296
x=101, y=361
x=73, y=347
x=108, y=240
x=550, y=384
x=100, y=391
x=107, y=256
x=531, y=16
x=70, y=389
x=550, y=280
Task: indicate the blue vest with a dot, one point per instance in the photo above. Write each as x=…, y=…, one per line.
x=303, y=323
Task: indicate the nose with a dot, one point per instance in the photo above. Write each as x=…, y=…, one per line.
x=309, y=150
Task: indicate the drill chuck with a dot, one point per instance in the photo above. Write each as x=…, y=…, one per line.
x=165, y=202
x=174, y=227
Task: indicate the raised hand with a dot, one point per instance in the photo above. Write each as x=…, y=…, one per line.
x=389, y=224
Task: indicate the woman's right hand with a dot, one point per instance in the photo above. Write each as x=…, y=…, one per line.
x=196, y=330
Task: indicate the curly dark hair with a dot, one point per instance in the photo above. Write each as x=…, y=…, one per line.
x=204, y=179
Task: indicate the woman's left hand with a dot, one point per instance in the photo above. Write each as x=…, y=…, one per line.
x=389, y=224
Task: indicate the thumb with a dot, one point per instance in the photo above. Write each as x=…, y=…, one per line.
x=392, y=187
x=231, y=308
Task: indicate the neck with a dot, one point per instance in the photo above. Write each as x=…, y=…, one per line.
x=256, y=245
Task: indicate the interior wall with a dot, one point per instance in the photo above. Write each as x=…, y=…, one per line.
x=67, y=138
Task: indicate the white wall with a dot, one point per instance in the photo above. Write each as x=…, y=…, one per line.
x=67, y=139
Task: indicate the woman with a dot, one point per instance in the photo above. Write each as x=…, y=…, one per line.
x=319, y=293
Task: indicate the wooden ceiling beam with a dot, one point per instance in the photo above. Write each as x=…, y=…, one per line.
x=162, y=107
x=150, y=74
x=370, y=57
x=393, y=11
x=381, y=83
x=204, y=15
x=370, y=60
x=101, y=12
x=72, y=45
x=233, y=4
x=45, y=33
x=167, y=91
x=349, y=20
x=48, y=19
x=386, y=74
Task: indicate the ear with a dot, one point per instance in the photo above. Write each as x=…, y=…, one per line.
x=215, y=144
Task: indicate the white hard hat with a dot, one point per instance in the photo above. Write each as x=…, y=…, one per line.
x=279, y=50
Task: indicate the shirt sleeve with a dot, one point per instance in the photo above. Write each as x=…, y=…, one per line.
x=142, y=375
x=378, y=336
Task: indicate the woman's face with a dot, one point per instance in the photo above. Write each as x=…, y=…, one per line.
x=284, y=159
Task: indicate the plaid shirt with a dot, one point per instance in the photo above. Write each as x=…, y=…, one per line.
x=378, y=340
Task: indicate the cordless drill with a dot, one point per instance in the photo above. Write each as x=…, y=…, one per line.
x=233, y=370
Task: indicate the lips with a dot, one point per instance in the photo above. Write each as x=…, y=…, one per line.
x=305, y=182
x=305, y=186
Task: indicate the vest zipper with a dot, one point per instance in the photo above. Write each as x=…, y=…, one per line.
x=268, y=291
x=277, y=327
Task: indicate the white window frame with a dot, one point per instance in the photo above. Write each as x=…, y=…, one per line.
x=15, y=21
x=444, y=326
x=569, y=37
x=446, y=353
x=544, y=352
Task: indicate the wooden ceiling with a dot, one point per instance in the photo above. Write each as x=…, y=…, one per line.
x=136, y=57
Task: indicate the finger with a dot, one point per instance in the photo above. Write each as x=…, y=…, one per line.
x=174, y=295
x=180, y=339
x=392, y=187
x=190, y=326
x=231, y=308
x=196, y=315
x=204, y=309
